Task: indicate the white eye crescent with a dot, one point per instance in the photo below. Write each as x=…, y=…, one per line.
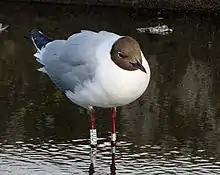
x=120, y=55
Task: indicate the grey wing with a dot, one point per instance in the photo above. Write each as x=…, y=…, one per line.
x=67, y=77
x=69, y=63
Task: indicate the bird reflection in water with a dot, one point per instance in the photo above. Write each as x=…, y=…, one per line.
x=93, y=160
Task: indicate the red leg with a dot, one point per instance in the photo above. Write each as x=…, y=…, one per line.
x=92, y=120
x=93, y=133
x=113, y=141
x=113, y=136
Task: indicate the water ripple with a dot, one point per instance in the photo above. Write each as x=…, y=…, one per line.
x=73, y=158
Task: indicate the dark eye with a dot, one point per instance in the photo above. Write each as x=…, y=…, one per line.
x=120, y=55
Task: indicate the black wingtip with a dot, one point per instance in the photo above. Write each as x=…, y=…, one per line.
x=39, y=39
x=34, y=32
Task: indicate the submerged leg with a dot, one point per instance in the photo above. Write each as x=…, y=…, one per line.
x=113, y=135
x=92, y=161
x=113, y=167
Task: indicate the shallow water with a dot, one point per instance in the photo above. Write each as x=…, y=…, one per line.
x=172, y=129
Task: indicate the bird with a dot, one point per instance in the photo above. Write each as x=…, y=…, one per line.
x=94, y=69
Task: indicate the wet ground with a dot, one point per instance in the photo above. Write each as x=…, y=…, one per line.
x=173, y=128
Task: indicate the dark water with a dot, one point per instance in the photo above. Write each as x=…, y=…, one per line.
x=174, y=128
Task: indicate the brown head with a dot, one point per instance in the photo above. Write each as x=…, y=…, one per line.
x=126, y=53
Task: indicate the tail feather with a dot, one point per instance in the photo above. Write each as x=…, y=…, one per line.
x=39, y=39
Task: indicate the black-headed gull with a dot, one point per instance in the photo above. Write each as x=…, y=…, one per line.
x=94, y=69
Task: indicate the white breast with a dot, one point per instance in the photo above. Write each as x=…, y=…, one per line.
x=122, y=87
x=113, y=86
